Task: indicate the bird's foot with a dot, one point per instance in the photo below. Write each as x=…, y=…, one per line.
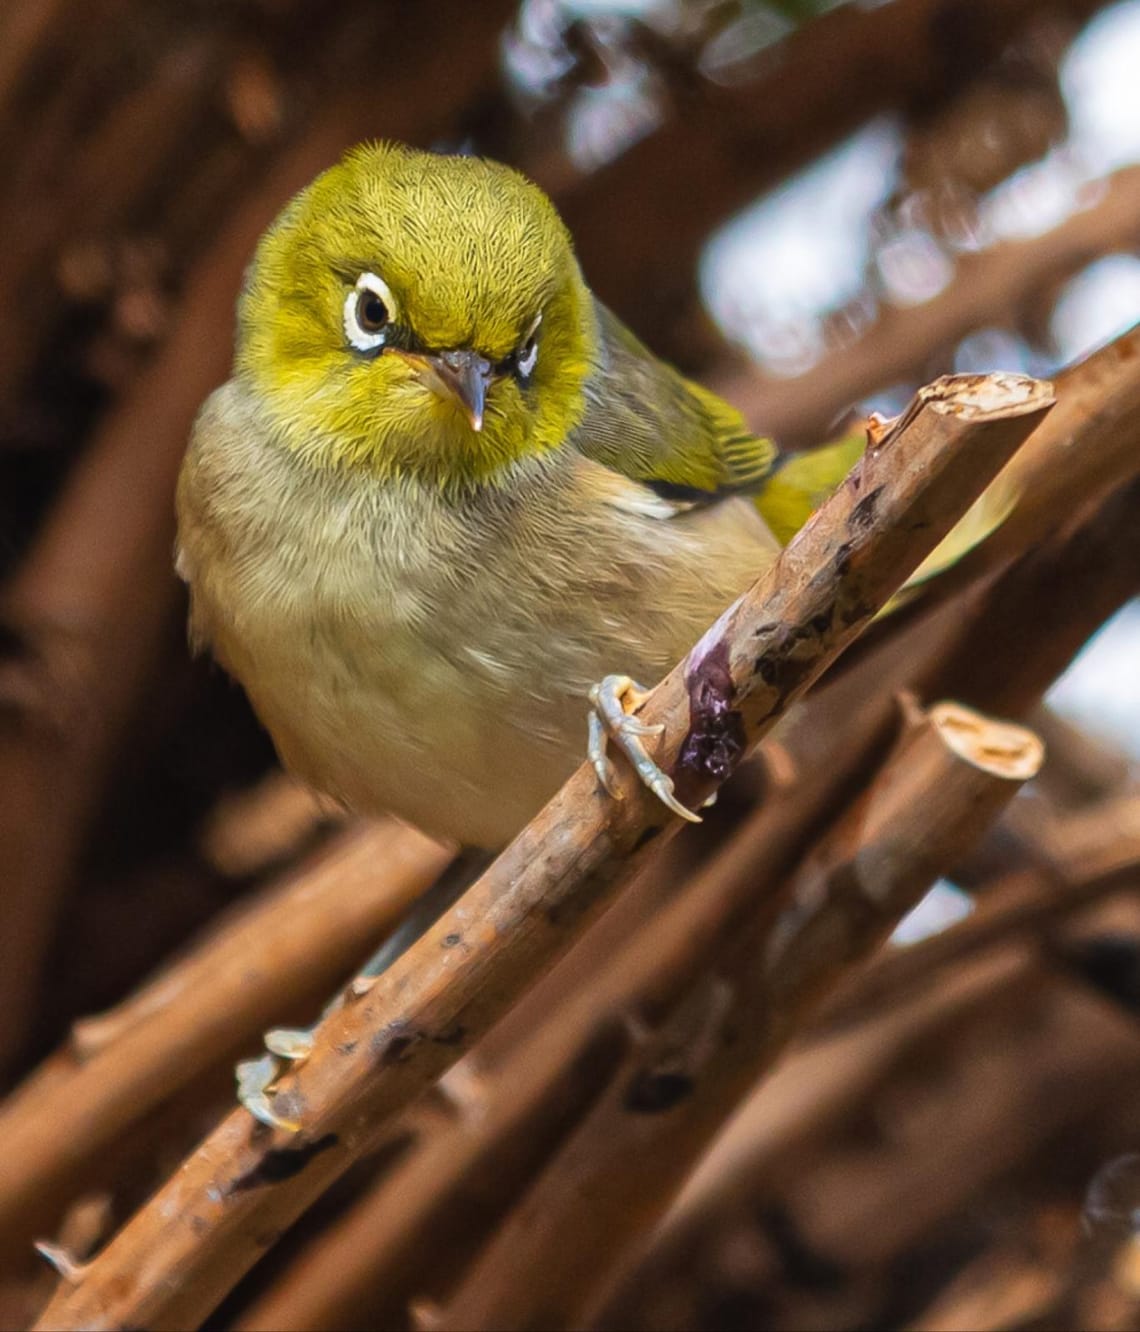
x=255, y=1077
x=609, y=721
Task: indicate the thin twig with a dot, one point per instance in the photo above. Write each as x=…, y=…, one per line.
x=299, y=939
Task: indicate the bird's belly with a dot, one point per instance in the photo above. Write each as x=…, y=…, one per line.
x=387, y=723
x=464, y=721
x=413, y=656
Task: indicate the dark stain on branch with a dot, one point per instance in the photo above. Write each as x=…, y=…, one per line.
x=841, y=560
x=280, y=1163
x=653, y=1093
x=391, y=1046
x=863, y=514
x=654, y=830
x=788, y=649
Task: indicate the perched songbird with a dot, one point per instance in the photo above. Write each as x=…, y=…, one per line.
x=446, y=493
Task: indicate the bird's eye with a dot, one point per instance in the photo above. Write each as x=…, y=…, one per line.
x=368, y=310
x=371, y=312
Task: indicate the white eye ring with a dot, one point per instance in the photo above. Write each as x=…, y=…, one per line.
x=367, y=339
x=526, y=363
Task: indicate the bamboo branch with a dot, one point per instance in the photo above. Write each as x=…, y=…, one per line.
x=180, y=1254
x=951, y=773
x=298, y=940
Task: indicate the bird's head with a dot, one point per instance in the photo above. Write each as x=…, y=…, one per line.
x=417, y=314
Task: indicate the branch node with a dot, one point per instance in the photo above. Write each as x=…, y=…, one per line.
x=55, y=1255
x=998, y=748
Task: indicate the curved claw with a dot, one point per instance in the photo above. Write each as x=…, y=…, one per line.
x=608, y=720
x=662, y=788
x=596, y=748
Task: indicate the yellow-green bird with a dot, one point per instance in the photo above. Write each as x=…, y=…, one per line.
x=446, y=493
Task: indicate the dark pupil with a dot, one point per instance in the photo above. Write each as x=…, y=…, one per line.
x=373, y=312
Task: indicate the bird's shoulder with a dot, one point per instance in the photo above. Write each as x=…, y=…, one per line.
x=645, y=420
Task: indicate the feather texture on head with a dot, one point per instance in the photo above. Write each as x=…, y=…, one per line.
x=475, y=258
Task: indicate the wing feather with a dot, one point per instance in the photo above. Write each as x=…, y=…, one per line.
x=647, y=421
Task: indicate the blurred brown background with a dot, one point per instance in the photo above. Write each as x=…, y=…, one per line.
x=814, y=208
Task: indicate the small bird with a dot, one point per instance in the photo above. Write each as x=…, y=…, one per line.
x=446, y=496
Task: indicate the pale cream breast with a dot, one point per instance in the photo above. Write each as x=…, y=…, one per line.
x=431, y=656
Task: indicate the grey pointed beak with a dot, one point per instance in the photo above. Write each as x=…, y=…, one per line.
x=463, y=376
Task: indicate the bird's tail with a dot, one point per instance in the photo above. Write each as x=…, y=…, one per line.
x=800, y=482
